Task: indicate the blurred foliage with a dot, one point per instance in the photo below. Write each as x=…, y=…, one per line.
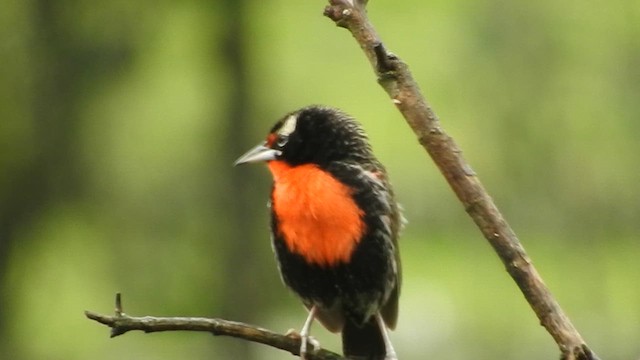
x=120, y=121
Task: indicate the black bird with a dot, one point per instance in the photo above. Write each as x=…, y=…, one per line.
x=334, y=227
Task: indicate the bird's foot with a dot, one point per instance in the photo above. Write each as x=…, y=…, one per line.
x=391, y=353
x=308, y=344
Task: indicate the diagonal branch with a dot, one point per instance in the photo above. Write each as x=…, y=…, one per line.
x=396, y=79
x=121, y=323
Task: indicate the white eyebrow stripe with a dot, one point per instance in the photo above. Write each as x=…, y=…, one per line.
x=289, y=126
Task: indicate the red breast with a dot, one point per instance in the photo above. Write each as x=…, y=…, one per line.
x=317, y=216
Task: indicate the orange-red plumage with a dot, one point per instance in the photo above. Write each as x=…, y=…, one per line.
x=318, y=218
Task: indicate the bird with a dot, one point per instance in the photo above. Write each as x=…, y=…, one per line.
x=334, y=227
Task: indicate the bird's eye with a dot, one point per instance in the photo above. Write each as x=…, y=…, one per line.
x=282, y=141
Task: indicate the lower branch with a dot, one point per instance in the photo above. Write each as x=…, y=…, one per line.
x=121, y=323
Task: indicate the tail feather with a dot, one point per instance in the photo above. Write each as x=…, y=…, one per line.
x=363, y=342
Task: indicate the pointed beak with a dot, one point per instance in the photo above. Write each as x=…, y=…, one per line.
x=258, y=153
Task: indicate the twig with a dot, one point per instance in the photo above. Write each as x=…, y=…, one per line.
x=121, y=323
x=396, y=79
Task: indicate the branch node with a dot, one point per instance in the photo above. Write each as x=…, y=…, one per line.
x=342, y=11
x=338, y=15
x=119, y=311
x=468, y=170
x=116, y=331
x=581, y=352
x=384, y=60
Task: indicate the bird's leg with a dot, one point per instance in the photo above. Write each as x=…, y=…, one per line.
x=304, y=332
x=391, y=353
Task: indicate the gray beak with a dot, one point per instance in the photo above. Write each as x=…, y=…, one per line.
x=258, y=153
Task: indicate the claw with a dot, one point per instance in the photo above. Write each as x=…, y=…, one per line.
x=305, y=348
x=305, y=339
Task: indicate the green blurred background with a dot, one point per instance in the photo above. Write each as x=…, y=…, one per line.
x=119, y=122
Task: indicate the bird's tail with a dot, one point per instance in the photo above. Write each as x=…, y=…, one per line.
x=364, y=342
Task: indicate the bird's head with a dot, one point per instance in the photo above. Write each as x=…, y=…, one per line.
x=314, y=134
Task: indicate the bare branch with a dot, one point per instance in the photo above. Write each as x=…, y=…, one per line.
x=121, y=323
x=396, y=79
